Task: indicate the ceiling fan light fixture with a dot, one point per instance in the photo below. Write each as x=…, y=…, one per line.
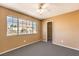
x=41, y=8
x=41, y=11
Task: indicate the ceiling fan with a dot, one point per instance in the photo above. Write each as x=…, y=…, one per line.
x=41, y=8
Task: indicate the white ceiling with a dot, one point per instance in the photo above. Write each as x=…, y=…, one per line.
x=52, y=9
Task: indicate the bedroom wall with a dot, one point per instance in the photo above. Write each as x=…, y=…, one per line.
x=65, y=29
x=10, y=42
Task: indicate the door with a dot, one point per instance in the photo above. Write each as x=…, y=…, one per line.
x=49, y=32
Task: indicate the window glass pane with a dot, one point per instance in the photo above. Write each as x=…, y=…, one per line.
x=20, y=22
x=24, y=21
x=24, y=27
x=9, y=18
x=14, y=20
x=20, y=26
x=30, y=23
x=28, y=27
x=14, y=26
x=11, y=27
x=34, y=27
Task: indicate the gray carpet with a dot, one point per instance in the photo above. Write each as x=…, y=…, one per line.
x=42, y=49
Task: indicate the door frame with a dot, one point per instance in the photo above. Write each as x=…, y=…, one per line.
x=45, y=29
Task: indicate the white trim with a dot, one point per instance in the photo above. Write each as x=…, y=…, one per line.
x=44, y=40
x=67, y=46
x=18, y=47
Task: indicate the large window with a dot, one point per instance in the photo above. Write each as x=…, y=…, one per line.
x=18, y=26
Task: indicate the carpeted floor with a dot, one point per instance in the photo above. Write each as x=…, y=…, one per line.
x=42, y=49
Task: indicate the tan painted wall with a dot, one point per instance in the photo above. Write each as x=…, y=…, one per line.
x=65, y=29
x=9, y=42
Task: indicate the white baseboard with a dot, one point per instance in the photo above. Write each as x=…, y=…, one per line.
x=44, y=40
x=18, y=47
x=66, y=46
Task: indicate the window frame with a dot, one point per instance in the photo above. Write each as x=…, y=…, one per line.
x=28, y=25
